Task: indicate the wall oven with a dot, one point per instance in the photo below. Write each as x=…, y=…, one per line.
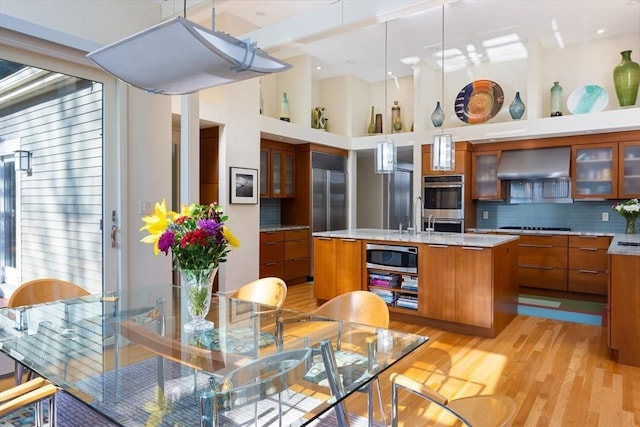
x=443, y=199
x=402, y=259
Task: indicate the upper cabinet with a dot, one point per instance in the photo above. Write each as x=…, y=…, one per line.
x=629, y=169
x=595, y=171
x=485, y=184
x=277, y=169
x=462, y=162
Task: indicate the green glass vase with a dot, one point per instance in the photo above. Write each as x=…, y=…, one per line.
x=631, y=225
x=626, y=79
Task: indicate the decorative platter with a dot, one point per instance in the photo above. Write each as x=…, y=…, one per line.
x=587, y=99
x=479, y=101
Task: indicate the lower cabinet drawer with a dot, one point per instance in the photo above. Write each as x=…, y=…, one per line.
x=588, y=259
x=543, y=278
x=588, y=282
x=296, y=249
x=298, y=267
x=272, y=269
x=271, y=252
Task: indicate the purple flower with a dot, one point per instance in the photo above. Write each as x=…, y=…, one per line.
x=165, y=241
x=212, y=227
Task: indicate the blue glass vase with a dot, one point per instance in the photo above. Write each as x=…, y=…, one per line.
x=516, y=109
x=437, y=117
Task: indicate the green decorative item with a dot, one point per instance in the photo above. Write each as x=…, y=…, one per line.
x=284, y=108
x=372, y=124
x=626, y=79
x=631, y=226
x=556, y=100
x=396, y=118
x=630, y=211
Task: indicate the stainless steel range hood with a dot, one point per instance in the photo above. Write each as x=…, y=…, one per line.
x=538, y=163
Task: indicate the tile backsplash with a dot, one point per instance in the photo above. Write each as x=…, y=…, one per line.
x=269, y=212
x=579, y=216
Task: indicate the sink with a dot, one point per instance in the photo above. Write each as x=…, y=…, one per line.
x=629, y=243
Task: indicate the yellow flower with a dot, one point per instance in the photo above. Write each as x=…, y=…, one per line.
x=157, y=224
x=228, y=235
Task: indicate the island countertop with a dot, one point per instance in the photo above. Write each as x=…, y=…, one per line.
x=625, y=244
x=453, y=239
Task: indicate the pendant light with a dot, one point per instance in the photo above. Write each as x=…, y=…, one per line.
x=385, y=149
x=178, y=57
x=443, y=149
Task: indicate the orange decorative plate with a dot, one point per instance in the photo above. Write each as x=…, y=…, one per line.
x=479, y=101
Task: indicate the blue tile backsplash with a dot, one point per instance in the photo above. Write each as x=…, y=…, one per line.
x=269, y=212
x=579, y=216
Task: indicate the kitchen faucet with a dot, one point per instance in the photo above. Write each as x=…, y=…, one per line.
x=431, y=224
x=417, y=226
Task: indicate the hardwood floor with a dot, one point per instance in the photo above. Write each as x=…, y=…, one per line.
x=559, y=373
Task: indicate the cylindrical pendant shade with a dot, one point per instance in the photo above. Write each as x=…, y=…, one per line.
x=385, y=156
x=443, y=153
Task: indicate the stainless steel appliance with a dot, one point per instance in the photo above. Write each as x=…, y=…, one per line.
x=402, y=259
x=443, y=199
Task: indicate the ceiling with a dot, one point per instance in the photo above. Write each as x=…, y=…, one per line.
x=474, y=30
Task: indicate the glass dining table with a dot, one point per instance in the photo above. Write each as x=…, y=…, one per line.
x=127, y=356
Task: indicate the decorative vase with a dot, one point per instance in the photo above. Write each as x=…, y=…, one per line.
x=437, y=117
x=372, y=124
x=378, y=128
x=396, y=118
x=197, y=287
x=626, y=79
x=516, y=109
x=631, y=226
x=556, y=100
x=284, y=108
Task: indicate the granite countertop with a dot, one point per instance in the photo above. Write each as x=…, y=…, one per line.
x=453, y=239
x=616, y=248
x=282, y=227
x=566, y=233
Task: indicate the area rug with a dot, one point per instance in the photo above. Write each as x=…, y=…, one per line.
x=568, y=310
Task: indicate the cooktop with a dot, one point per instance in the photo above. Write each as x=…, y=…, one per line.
x=520, y=227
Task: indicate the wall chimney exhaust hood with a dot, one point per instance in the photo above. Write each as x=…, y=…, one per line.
x=538, y=163
x=177, y=57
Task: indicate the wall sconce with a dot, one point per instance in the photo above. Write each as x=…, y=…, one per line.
x=443, y=153
x=385, y=156
x=23, y=161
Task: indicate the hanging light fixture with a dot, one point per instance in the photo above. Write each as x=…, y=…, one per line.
x=178, y=57
x=443, y=149
x=385, y=149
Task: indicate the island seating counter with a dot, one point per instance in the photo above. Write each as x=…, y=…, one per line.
x=464, y=283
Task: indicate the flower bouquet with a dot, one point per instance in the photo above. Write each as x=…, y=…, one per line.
x=198, y=241
x=629, y=210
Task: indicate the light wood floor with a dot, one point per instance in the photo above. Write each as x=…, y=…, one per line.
x=559, y=373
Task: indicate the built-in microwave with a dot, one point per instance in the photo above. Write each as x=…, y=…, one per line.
x=443, y=197
x=402, y=259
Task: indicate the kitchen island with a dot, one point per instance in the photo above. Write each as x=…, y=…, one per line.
x=464, y=283
x=624, y=299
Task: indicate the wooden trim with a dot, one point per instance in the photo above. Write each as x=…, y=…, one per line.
x=559, y=141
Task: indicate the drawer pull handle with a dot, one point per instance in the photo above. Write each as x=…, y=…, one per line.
x=528, y=245
x=588, y=249
x=588, y=237
x=472, y=248
x=348, y=240
x=271, y=263
x=431, y=245
x=324, y=238
x=271, y=243
x=588, y=271
x=539, y=267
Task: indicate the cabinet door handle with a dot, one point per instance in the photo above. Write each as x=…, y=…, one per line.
x=588, y=271
x=324, y=238
x=348, y=240
x=271, y=263
x=528, y=245
x=271, y=243
x=432, y=245
x=588, y=249
x=539, y=267
x=472, y=248
x=587, y=237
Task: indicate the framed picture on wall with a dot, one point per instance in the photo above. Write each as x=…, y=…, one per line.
x=244, y=185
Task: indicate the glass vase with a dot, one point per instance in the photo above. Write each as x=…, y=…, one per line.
x=197, y=286
x=631, y=226
x=626, y=78
x=516, y=109
x=437, y=117
x=556, y=100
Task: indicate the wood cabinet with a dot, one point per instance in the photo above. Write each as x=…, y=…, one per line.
x=285, y=254
x=595, y=171
x=542, y=261
x=624, y=306
x=485, y=184
x=338, y=266
x=277, y=169
x=588, y=264
x=209, y=166
x=629, y=169
x=437, y=266
x=462, y=163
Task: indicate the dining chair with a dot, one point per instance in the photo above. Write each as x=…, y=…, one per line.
x=490, y=410
x=268, y=291
x=40, y=291
x=361, y=307
x=35, y=392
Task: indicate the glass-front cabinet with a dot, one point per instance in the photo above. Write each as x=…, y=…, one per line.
x=629, y=168
x=277, y=172
x=486, y=185
x=595, y=171
x=264, y=172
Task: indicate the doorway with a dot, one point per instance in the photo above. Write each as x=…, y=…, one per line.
x=7, y=218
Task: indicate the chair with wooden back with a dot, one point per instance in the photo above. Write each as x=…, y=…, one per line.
x=45, y=290
x=490, y=410
x=349, y=307
x=33, y=392
x=268, y=290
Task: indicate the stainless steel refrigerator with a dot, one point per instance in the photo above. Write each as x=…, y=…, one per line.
x=328, y=193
